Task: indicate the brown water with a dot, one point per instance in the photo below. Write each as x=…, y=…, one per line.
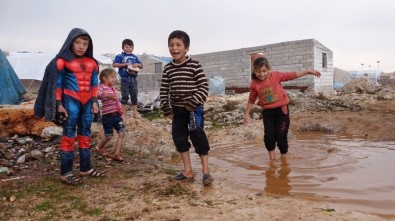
x=355, y=173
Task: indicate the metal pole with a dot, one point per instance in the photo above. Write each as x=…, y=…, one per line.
x=378, y=72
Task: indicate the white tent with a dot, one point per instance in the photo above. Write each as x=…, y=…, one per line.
x=30, y=66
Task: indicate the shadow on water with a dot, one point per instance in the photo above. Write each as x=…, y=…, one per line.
x=347, y=171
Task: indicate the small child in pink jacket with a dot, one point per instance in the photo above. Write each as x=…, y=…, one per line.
x=266, y=86
x=111, y=114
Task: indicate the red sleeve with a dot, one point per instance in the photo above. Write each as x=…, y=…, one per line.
x=60, y=64
x=285, y=76
x=253, y=93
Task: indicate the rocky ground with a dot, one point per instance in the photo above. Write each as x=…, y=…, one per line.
x=140, y=189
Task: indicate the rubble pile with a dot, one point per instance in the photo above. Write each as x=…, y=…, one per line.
x=17, y=153
x=359, y=85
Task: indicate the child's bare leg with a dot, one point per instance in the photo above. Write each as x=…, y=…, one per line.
x=204, y=160
x=103, y=142
x=136, y=114
x=118, y=144
x=207, y=178
x=272, y=155
x=101, y=149
x=187, y=164
x=125, y=110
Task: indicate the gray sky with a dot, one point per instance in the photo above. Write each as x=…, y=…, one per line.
x=357, y=31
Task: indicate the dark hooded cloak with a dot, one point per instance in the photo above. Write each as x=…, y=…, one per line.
x=45, y=105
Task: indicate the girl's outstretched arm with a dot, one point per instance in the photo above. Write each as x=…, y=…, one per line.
x=247, y=113
x=303, y=73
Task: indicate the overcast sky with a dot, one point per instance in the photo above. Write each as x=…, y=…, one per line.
x=357, y=31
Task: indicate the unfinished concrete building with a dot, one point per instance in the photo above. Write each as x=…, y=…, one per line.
x=235, y=68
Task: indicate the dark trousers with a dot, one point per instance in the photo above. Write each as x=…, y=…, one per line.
x=112, y=121
x=129, y=88
x=276, y=125
x=181, y=130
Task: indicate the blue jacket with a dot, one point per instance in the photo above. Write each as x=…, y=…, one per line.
x=126, y=58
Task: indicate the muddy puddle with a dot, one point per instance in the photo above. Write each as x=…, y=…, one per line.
x=343, y=170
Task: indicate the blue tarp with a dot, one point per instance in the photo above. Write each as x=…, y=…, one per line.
x=337, y=86
x=216, y=85
x=11, y=88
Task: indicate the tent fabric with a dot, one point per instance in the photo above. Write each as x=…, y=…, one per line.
x=31, y=65
x=11, y=89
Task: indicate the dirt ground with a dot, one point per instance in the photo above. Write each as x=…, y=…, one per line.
x=140, y=188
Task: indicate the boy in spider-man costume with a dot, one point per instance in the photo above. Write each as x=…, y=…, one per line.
x=68, y=96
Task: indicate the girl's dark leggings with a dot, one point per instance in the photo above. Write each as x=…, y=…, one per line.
x=276, y=125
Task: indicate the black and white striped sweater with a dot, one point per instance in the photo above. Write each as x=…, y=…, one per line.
x=183, y=85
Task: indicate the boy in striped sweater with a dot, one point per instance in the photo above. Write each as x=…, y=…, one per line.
x=111, y=114
x=184, y=89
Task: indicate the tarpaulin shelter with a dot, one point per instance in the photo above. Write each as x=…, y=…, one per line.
x=30, y=66
x=11, y=88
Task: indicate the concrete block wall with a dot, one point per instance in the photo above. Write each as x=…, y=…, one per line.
x=325, y=82
x=149, y=64
x=290, y=56
x=149, y=82
x=234, y=65
x=149, y=67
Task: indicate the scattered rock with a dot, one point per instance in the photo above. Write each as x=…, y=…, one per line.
x=12, y=199
x=36, y=154
x=52, y=131
x=21, y=159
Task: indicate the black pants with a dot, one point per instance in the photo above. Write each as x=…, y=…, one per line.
x=276, y=125
x=181, y=131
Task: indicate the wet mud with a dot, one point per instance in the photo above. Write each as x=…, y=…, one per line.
x=349, y=171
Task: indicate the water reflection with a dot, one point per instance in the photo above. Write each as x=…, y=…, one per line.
x=277, y=182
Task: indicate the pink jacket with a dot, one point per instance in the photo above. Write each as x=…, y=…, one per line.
x=109, y=105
